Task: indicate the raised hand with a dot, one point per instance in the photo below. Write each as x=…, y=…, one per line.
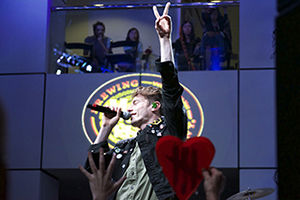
x=101, y=183
x=214, y=182
x=163, y=24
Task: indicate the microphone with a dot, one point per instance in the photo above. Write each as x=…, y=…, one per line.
x=124, y=115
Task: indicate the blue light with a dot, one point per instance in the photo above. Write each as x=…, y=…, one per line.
x=215, y=59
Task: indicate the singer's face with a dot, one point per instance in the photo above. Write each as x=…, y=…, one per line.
x=141, y=112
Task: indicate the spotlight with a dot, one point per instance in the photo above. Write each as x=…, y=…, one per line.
x=58, y=72
x=89, y=68
x=69, y=58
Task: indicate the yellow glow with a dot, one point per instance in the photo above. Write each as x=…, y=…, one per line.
x=99, y=4
x=216, y=1
x=120, y=128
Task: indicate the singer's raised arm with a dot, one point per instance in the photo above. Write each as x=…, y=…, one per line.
x=171, y=89
x=155, y=112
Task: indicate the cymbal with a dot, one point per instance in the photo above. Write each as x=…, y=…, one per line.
x=252, y=194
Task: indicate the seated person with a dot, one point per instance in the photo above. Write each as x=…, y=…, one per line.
x=186, y=48
x=216, y=39
x=100, y=43
x=136, y=52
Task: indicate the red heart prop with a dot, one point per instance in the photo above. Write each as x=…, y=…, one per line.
x=182, y=162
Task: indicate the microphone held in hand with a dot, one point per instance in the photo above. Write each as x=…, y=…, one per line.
x=124, y=115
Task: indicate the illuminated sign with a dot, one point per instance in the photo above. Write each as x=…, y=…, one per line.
x=118, y=91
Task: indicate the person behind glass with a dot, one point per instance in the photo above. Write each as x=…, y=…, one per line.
x=135, y=51
x=216, y=41
x=186, y=48
x=100, y=44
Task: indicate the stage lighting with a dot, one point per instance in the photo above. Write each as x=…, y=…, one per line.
x=58, y=72
x=89, y=68
x=99, y=5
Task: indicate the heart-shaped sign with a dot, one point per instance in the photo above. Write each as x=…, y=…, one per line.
x=182, y=162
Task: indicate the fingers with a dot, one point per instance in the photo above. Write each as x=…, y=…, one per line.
x=117, y=109
x=168, y=20
x=111, y=166
x=205, y=174
x=155, y=11
x=92, y=164
x=215, y=172
x=166, y=10
x=163, y=25
x=119, y=112
x=211, y=172
x=101, y=161
x=119, y=183
x=111, y=115
x=113, y=108
x=86, y=173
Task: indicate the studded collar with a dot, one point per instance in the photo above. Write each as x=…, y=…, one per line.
x=157, y=127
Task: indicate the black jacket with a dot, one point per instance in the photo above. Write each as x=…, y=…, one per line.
x=174, y=122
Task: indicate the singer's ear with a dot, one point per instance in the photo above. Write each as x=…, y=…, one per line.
x=156, y=105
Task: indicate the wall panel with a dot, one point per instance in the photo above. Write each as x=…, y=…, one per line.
x=22, y=99
x=257, y=119
x=23, y=36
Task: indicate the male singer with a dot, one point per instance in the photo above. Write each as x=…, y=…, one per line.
x=134, y=171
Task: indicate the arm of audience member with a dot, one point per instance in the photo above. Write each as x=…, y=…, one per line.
x=86, y=41
x=104, y=46
x=140, y=51
x=163, y=26
x=214, y=182
x=108, y=45
x=197, y=49
x=100, y=180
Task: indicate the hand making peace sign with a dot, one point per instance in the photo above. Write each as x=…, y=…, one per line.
x=163, y=24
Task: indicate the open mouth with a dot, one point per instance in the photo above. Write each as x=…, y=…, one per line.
x=132, y=114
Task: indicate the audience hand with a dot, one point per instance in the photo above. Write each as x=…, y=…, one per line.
x=101, y=183
x=214, y=182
